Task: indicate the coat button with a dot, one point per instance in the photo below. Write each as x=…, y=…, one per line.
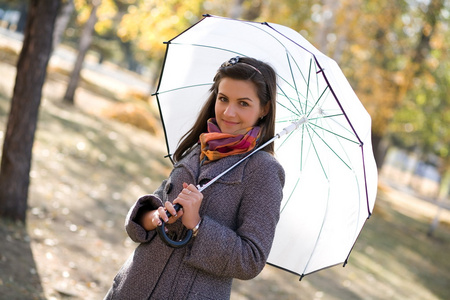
x=203, y=181
x=169, y=188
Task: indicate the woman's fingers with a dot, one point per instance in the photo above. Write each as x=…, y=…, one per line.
x=156, y=221
x=190, y=198
x=190, y=192
x=162, y=214
x=171, y=209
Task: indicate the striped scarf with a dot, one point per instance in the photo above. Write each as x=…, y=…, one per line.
x=216, y=144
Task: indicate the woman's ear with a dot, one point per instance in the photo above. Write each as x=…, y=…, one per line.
x=265, y=110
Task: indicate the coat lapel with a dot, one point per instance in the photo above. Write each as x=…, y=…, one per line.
x=210, y=170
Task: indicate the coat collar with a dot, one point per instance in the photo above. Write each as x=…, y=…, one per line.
x=209, y=171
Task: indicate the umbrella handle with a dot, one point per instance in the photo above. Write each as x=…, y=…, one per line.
x=163, y=235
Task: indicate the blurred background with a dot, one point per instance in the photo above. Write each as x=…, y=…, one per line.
x=98, y=142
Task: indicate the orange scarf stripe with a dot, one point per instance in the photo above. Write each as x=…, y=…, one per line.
x=216, y=145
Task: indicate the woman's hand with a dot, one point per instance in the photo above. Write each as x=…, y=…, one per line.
x=151, y=219
x=191, y=199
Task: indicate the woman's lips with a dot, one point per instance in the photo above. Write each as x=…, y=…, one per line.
x=230, y=123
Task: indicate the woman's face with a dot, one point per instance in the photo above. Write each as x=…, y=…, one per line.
x=237, y=106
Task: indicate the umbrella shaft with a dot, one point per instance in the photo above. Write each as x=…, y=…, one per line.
x=293, y=126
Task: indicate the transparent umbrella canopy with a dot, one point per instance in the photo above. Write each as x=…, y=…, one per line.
x=331, y=176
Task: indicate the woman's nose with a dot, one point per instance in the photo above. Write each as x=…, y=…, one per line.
x=229, y=110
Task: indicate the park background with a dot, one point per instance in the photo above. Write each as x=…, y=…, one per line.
x=100, y=146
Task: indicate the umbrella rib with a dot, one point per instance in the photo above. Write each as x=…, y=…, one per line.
x=319, y=233
x=301, y=166
x=288, y=55
x=339, y=104
x=290, y=85
x=330, y=148
x=182, y=88
x=307, y=84
x=210, y=47
x=358, y=192
x=301, y=148
x=289, y=99
x=315, y=150
x=365, y=183
x=339, y=124
x=317, y=78
x=318, y=100
x=303, y=77
x=335, y=134
x=295, y=113
x=290, y=196
x=323, y=74
x=235, y=52
x=295, y=84
x=307, y=81
x=326, y=117
x=287, y=137
x=351, y=168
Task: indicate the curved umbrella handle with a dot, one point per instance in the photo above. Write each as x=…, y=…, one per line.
x=163, y=235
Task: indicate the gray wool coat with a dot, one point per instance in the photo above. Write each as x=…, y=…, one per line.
x=239, y=213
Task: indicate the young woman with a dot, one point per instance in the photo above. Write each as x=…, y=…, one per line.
x=234, y=219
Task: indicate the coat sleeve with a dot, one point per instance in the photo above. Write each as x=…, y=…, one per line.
x=242, y=253
x=135, y=231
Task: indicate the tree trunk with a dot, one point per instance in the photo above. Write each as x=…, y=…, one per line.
x=443, y=194
x=85, y=43
x=380, y=147
x=61, y=22
x=328, y=24
x=23, y=8
x=21, y=126
x=236, y=9
x=132, y=64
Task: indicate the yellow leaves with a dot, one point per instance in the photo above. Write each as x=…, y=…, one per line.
x=378, y=92
x=106, y=10
x=438, y=40
x=151, y=22
x=427, y=28
x=421, y=99
x=83, y=10
x=103, y=26
x=362, y=53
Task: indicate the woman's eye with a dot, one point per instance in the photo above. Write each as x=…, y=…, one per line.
x=222, y=99
x=243, y=103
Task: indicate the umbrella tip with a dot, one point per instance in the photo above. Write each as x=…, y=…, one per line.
x=206, y=15
x=345, y=263
x=301, y=277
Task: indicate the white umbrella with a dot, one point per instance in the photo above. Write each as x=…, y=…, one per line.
x=331, y=176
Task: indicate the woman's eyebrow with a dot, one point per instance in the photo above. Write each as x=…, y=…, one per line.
x=246, y=98
x=243, y=98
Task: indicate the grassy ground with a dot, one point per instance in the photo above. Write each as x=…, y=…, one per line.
x=87, y=170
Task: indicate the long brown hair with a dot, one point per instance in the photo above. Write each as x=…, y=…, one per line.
x=263, y=77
